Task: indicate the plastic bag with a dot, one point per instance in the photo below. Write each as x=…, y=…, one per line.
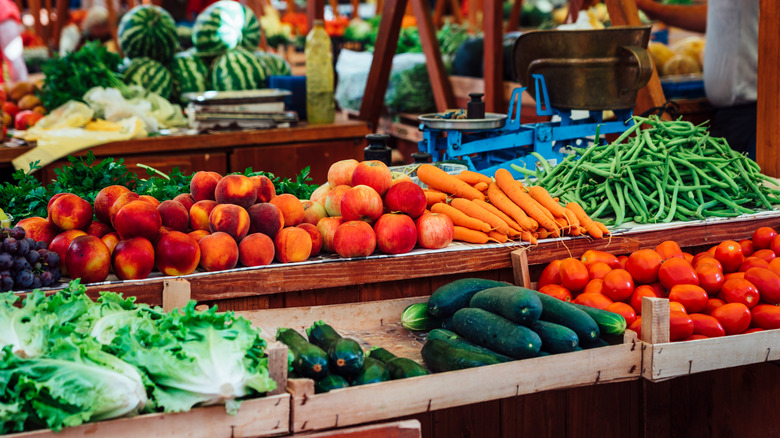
x=155, y=111
x=352, y=70
x=72, y=114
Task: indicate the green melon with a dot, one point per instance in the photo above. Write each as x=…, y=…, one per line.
x=149, y=74
x=148, y=31
x=237, y=69
x=226, y=25
x=188, y=73
x=273, y=64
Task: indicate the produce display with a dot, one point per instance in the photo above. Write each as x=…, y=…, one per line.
x=237, y=69
x=21, y=108
x=225, y=25
x=188, y=74
x=148, y=31
x=686, y=57
x=149, y=74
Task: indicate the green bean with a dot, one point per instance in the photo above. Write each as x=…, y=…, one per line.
x=701, y=173
x=725, y=177
x=753, y=186
x=662, y=197
x=612, y=200
x=705, y=206
x=601, y=173
x=642, y=204
x=727, y=202
x=599, y=210
x=634, y=201
x=542, y=161
x=673, y=205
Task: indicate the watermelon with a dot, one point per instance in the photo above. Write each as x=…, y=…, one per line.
x=225, y=25
x=189, y=73
x=237, y=69
x=148, y=31
x=150, y=74
x=273, y=64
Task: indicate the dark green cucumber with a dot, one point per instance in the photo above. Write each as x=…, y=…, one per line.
x=322, y=335
x=598, y=344
x=447, y=324
x=458, y=341
x=555, y=337
x=442, y=356
x=346, y=355
x=381, y=354
x=515, y=303
x=309, y=360
x=447, y=299
x=543, y=353
x=565, y=314
x=610, y=323
x=373, y=371
x=497, y=333
x=398, y=367
x=416, y=317
x=329, y=383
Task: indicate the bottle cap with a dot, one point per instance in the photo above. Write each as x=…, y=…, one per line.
x=319, y=22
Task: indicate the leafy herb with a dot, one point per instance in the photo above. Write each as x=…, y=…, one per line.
x=25, y=197
x=85, y=176
x=162, y=186
x=300, y=187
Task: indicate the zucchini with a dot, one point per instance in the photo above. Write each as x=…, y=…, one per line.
x=497, y=333
x=447, y=299
x=381, y=354
x=373, y=371
x=555, y=337
x=610, y=323
x=309, y=360
x=322, y=335
x=457, y=341
x=345, y=355
x=515, y=303
x=565, y=314
x=447, y=324
x=329, y=383
x=416, y=318
x=398, y=367
x=442, y=356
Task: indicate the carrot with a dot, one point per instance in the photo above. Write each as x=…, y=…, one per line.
x=441, y=180
x=475, y=211
x=542, y=233
x=602, y=227
x=501, y=215
x=541, y=207
x=541, y=195
x=503, y=203
x=481, y=186
x=460, y=218
x=468, y=235
x=528, y=237
x=508, y=185
x=562, y=222
x=498, y=237
x=433, y=197
x=572, y=218
x=473, y=178
x=589, y=224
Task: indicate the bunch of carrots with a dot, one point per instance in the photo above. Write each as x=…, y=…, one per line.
x=484, y=210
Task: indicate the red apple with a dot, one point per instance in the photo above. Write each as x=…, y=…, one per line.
x=328, y=227
x=333, y=200
x=354, y=239
x=395, y=233
x=434, y=230
x=406, y=197
x=340, y=172
x=320, y=194
x=361, y=203
x=373, y=173
x=313, y=211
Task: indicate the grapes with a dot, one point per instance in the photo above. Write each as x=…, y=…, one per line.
x=20, y=264
x=57, y=274
x=39, y=245
x=17, y=233
x=51, y=259
x=24, y=247
x=33, y=257
x=25, y=263
x=47, y=278
x=6, y=283
x=31, y=242
x=6, y=260
x=36, y=282
x=11, y=245
x=23, y=279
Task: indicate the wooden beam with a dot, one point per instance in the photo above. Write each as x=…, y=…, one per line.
x=767, y=127
x=35, y=10
x=315, y=10
x=494, y=54
x=514, y=16
x=442, y=89
x=62, y=18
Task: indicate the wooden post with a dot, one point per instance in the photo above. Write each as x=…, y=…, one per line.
x=277, y=366
x=62, y=14
x=655, y=320
x=315, y=10
x=768, y=128
x=494, y=54
x=514, y=16
x=442, y=89
x=176, y=293
x=520, y=267
x=35, y=10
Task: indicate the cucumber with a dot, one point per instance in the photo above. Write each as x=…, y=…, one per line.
x=517, y=304
x=598, y=344
x=610, y=323
x=416, y=318
x=373, y=371
x=565, y=314
x=555, y=337
x=381, y=354
x=447, y=324
x=458, y=341
x=441, y=356
x=329, y=383
x=447, y=299
x=346, y=355
x=322, y=335
x=309, y=360
x=398, y=367
x=497, y=333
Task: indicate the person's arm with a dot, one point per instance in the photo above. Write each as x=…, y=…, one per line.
x=693, y=17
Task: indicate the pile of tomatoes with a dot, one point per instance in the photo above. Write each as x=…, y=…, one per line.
x=732, y=288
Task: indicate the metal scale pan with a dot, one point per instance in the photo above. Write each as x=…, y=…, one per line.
x=491, y=121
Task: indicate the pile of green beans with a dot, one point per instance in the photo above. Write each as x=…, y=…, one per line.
x=658, y=171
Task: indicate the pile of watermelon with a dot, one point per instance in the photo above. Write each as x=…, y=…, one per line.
x=224, y=57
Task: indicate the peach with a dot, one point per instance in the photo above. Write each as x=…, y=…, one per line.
x=395, y=233
x=327, y=227
x=111, y=240
x=231, y=219
x=354, y=239
x=265, y=218
x=203, y=184
x=265, y=188
x=88, y=258
x=199, y=234
x=373, y=173
x=405, y=197
x=121, y=201
x=99, y=229
x=162, y=231
x=292, y=244
x=333, y=200
x=105, y=199
x=313, y=211
x=199, y=214
x=316, y=238
x=320, y=193
x=138, y=219
x=291, y=208
x=434, y=230
x=177, y=254
x=186, y=200
x=361, y=203
x=61, y=242
x=52, y=199
x=340, y=172
x=236, y=189
x=150, y=199
x=71, y=212
x=39, y=229
x=218, y=252
x=256, y=250
x=133, y=259
x=174, y=215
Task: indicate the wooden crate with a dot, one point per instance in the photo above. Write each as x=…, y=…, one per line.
x=377, y=323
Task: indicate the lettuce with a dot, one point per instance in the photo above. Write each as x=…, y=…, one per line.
x=25, y=329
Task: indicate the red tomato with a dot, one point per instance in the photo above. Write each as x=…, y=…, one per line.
x=643, y=265
x=557, y=291
x=767, y=283
x=618, y=285
x=753, y=330
x=550, y=274
x=710, y=278
x=729, y=254
x=707, y=326
x=712, y=250
x=592, y=256
x=708, y=261
x=774, y=266
x=669, y=249
x=574, y=274
x=753, y=262
x=734, y=317
x=624, y=310
x=598, y=270
x=636, y=326
x=747, y=247
x=766, y=316
x=774, y=245
x=659, y=289
x=712, y=304
x=688, y=257
x=622, y=259
x=595, y=286
x=762, y=237
x=766, y=254
x=677, y=306
x=599, y=301
x=677, y=271
x=680, y=325
x=739, y=290
x=731, y=275
x=639, y=293
x=691, y=296
x=700, y=256
x=695, y=337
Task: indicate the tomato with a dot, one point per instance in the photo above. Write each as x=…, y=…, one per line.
x=688, y=257
x=677, y=271
x=598, y=270
x=712, y=304
x=766, y=316
x=618, y=285
x=643, y=265
x=599, y=301
x=708, y=261
x=739, y=290
x=636, y=326
x=753, y=262
x=734, y=317
x=550, y=275
x=753, y=330
x=693, y=297
x=774, y=266
x=680, y=325
x=669, y=249
x=712, y=250
x=574, y=274
x=594, y=286
x=557, y=291
x=729, y=253
x=766, y=254
x=710, y=278
x=622, y=259
x=639, y=293
x=707, y=326
x=659, y=289
x=762, y=237
x=624, y=310
x=747, y=247
x=701, y=256
x=677, y=306
x=775, y=245
x=592, y=256
x=695, y=337
x=734, y=275
x=767, y=283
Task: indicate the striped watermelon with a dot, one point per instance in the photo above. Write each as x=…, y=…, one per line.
x=273, y=64
x=188, y=73
x=225, y=25
x=148, y=31
x=149, y=74
x=237, y=69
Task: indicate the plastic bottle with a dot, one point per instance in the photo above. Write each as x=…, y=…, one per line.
x=320, y=106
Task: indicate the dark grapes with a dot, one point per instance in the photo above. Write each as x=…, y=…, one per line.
x=36, y=282
x=31, y=242
x=47, y=278
x=20, y=264
x=51, y=259
x=24, y=247
x=6, y=260
x=23, y=279
x=5, y=232
x=11, y=245
x=33, y=257
x=17, y=233
x=39, y=245
x=6, y=283
x=57, y=274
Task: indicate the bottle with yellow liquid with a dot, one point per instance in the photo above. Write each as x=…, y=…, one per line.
x=320, y=106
